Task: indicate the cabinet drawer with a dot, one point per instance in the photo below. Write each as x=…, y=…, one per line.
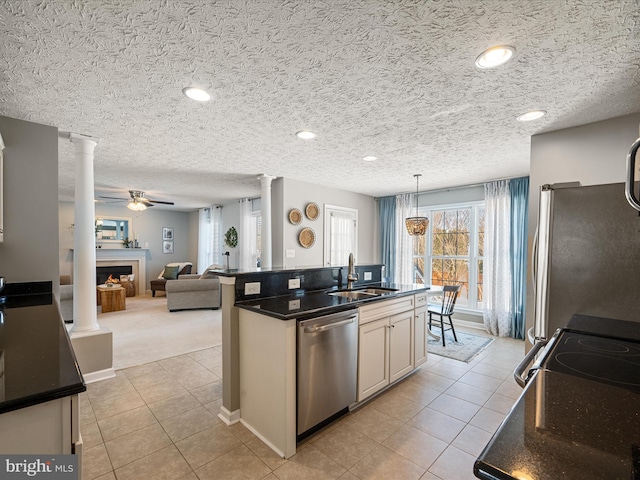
x=377, y=310
x=421, y=300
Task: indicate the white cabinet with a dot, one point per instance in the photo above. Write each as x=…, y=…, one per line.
x=400, y=345
x=420, y=319
x=373, y=357
x=385, y=348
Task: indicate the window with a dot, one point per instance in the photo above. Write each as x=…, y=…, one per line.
x=452, y=251
x=341, y=234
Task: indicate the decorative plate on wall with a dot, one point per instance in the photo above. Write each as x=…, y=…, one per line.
x=295, y=216
x=307, y=237
x=312, y=210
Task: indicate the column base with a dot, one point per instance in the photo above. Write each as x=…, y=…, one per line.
x=94, y=351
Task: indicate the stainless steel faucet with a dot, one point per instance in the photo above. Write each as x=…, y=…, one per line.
x=352, y=276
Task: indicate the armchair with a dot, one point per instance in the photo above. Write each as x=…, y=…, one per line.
x=158, y=285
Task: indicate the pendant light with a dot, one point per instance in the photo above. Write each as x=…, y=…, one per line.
x=417, y=226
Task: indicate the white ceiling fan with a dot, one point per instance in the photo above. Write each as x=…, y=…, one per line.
x=137, y=201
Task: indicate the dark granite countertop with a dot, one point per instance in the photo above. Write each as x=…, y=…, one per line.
x=303, y=304
x=37, y=363
x=565, y=427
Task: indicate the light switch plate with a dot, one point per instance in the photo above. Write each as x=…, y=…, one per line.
x=252, y=288
x=291, y=253
x=294, y=283
x=367, y=276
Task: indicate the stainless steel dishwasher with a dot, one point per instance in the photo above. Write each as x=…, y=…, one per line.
x=327, y=362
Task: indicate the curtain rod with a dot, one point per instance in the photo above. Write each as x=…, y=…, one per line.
x=470, y=185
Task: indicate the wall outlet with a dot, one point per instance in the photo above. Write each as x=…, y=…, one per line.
x=367, y=276
x=291, y=253
x=294, y=283
x=252, y=288
x=294, y=304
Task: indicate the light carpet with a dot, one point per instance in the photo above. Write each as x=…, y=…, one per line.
x=465, y=349
x=146, y=331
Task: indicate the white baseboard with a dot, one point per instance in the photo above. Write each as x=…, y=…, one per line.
x=228, y=417
x=468, y=324
x=264, y=440
x=99, y=375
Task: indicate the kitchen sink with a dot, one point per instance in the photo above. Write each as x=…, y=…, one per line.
x=379, y=291
x=354, y=294
x=363, y=293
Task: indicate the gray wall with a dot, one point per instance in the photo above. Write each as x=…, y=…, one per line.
x=592, y=154
x=30, y=197
x=288, y=194
x=148, y=226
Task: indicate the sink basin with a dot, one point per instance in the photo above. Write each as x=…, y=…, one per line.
x=354, y=294
x=379, y=291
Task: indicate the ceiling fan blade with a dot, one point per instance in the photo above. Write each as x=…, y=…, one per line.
x=158, y=201
x=114, y=198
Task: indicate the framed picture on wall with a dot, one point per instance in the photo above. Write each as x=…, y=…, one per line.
x=167, y=246
x=167, y=233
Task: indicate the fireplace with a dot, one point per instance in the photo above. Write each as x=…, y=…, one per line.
x=134, y=258
x=102, y=273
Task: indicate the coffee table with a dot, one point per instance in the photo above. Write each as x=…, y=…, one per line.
x=112, y=299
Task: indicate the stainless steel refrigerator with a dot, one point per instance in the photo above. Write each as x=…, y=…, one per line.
x=586, y=256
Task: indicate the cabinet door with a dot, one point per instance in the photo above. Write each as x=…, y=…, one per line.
x=400, y=345
x=373, y=358
x=419, y=337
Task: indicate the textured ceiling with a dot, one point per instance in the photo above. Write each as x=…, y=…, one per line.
x=394, y=79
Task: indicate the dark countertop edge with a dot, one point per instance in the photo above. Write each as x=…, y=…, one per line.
x=29, y=298
x=303, y=314
x=238, y=272
x=30, y=401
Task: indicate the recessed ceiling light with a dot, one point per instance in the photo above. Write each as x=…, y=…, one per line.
x=533, y=115
x=305, y=135
x=369, y=158
x=197, y=93
x=495, y=56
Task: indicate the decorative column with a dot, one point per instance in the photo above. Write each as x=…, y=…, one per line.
x=266, y=249
x=85, y=317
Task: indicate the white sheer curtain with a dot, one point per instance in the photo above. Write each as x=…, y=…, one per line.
x=496, y=309
x=245, y=235
x=209, y=238
x=404, y=242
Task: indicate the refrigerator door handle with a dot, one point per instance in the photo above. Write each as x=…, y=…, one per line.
x=534, y=262
x=631, y=167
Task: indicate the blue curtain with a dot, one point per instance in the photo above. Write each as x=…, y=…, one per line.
x=519, y=189
x=388, y=235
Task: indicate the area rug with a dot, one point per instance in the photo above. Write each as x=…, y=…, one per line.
x=465, y=349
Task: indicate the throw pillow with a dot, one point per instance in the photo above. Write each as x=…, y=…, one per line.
x=171, y=273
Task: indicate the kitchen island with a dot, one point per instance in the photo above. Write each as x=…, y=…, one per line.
x=39, y=376
x=260, y=314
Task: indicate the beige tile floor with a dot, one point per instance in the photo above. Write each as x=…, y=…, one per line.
x=159, y=421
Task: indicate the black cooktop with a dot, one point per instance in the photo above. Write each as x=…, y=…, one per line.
x=607, y=360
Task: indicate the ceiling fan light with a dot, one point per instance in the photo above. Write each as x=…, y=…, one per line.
x=137, y=206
